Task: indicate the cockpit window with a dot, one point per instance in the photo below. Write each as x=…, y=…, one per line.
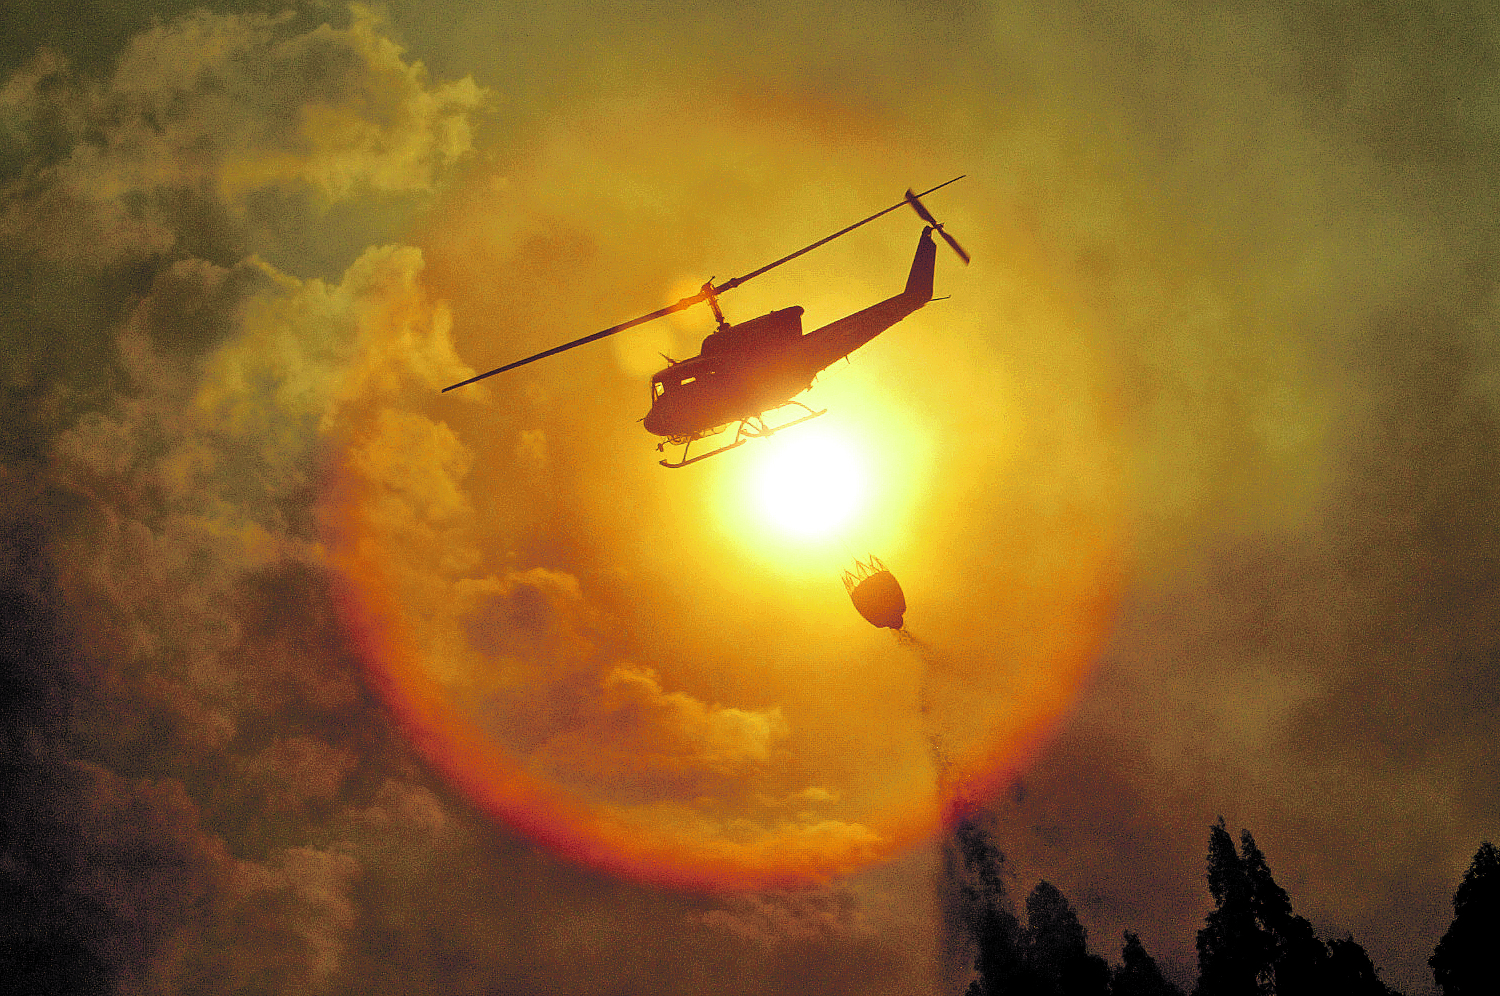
x=667, y=382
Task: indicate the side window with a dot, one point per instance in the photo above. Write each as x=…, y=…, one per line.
x=657, y=389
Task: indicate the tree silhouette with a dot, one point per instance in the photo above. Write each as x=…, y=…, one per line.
x=976, y=865
x=1351, y=972
x=1467, y=961
x=1057, y=947
x=1138, y=974
x=1234, y=953
x=1252, y=944
x=1298, y=960
x=1047, y=957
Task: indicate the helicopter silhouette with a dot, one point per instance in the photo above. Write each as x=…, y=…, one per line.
x=747, y=370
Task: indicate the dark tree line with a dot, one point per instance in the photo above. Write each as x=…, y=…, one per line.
x=1251, y=944
x=1048, y=955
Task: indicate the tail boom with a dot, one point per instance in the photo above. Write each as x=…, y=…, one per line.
x=822, y=347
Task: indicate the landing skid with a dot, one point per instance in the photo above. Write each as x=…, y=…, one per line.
x=750, y=428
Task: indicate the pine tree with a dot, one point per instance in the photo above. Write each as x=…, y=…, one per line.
x=1467, y=959
x=977, y=865
x=1252, y=944
x=1057, y=947
x=1234, y=954
x=1299, y=961
x=1047, y=957
x=1138, y=974
x=1352, y=973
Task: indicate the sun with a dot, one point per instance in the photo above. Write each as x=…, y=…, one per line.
x=810, y=483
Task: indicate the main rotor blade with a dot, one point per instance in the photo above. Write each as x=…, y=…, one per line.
x=686, y=302
x=736, y=281
x=707, y=292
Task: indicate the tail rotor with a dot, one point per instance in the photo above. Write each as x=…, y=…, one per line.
x=926, y=216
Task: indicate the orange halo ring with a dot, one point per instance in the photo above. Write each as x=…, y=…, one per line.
x=500, y=788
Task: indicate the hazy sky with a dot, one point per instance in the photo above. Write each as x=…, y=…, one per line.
x=322, y=681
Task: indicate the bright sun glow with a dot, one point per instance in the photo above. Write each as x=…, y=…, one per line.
x=809, y=483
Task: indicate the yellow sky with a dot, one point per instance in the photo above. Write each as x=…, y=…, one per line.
x=700, y=675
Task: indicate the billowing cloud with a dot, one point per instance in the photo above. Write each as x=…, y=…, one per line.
x=637, y=737
x=204, y=114
x=774, y=919
x=199, y=640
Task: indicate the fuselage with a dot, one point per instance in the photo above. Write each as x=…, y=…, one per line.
x=747, y=369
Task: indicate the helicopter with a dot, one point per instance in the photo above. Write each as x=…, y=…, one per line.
x=745, y=371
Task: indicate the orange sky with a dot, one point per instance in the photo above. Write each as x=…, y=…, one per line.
x=1190, y=483
x=739, y=714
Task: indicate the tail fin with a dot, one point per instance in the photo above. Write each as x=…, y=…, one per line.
x=919, y=281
